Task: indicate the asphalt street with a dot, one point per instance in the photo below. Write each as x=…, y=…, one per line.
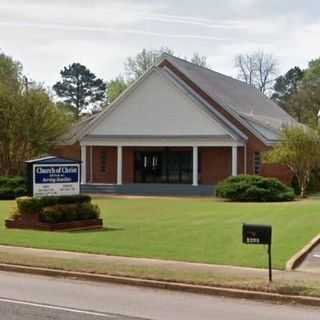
x=36, y=297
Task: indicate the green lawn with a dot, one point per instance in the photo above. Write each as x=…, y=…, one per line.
x=200, y=230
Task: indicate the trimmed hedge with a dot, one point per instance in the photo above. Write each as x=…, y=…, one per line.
x=247, y=188
x=69, y=212
x=28, y=205
x=59, y=209
x=12, y=187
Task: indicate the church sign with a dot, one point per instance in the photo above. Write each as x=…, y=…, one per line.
x=53, y=176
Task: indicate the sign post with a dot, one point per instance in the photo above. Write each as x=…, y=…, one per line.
x=259, y=234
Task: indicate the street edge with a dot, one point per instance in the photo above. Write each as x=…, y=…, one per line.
x=157, y=284
x=297, y=259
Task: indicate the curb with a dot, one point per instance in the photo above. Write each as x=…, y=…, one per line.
x=298, y=258
x=175, y=286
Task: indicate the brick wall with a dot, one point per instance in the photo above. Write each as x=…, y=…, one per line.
x=215, y=164
x=70, y=152
x=283, y=173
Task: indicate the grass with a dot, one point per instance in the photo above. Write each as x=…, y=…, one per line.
x=198, y=230
x=284, y=282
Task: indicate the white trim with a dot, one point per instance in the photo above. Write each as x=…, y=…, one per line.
x=119, y=165
x=116, y=102
x=83, y=164
x=195, y=166
x=234, y=161
x=159, y=142
x=245, y=159
x=91, y=163
x=229, y=109
x=196, y=98
x=182, y=89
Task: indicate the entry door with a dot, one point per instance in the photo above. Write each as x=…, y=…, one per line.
x=148, y=167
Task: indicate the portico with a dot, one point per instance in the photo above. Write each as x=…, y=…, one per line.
x=202, y=162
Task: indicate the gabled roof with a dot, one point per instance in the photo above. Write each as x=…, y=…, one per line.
x=235, y=96
x=214, y=117
x=246, y=104
x=74, y=133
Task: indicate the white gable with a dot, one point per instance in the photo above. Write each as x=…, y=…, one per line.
x=157, y=107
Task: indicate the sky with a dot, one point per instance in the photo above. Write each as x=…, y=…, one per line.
x=46, y=35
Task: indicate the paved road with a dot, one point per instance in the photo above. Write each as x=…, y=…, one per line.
x=33, y=297
x=312, y=261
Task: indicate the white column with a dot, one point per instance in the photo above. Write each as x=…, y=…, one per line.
x=91, y=164
x=83, y=164
x=195, y=166
x=119, y=165
x=234, y=161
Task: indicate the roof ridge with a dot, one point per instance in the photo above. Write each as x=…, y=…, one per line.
x=210, y=70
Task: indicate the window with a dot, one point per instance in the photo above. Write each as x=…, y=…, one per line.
x=103, y=161
x=257, y=163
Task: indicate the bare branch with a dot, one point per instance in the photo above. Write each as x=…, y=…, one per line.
x=257, y=69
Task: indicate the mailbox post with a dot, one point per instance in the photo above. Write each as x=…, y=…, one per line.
x=259, y=234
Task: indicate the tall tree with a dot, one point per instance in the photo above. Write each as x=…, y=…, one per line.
x=136, y=66
x=30, y=122
x=312, y=73
x=257, y=69
x=80, y=88
x=305, y=104
x=10, y=72
x=286, y=86
x=299, y=149
x=199, y=60
x=115, y=87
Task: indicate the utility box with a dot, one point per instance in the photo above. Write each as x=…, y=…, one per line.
x=53, y=176
x=256, y=234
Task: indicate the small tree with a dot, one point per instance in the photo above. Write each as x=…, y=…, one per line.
x=80, y=88
x=115, y=87
x=299, y=149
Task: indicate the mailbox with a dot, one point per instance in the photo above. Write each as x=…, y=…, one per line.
x=256, y=234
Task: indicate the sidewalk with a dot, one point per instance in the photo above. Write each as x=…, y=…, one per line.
x=122, y=265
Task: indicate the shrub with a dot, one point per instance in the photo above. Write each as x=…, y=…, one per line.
x=254, y=188
x=35, y=205
x=69, y=212
x=6, y=193
x=51, y=201
x=51, y=215
x=28, y=205
x=12, y=187
x=88, y=211
x=20, y=191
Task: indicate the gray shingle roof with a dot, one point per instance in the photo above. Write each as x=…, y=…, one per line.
x=234, y=95
x=253, y=108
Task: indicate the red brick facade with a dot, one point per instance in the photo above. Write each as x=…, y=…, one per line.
x=215, y=162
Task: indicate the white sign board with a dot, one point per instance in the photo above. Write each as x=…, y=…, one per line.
x=56, y=180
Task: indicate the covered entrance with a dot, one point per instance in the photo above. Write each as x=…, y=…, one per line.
x=164, y=165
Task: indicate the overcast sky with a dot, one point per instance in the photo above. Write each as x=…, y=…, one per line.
x=45, y=35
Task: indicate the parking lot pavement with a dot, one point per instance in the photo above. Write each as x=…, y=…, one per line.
x=312, y=261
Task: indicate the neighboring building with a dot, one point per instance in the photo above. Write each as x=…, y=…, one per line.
x=180, y=127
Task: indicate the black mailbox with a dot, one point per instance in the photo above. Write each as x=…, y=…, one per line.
x=256, y=234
